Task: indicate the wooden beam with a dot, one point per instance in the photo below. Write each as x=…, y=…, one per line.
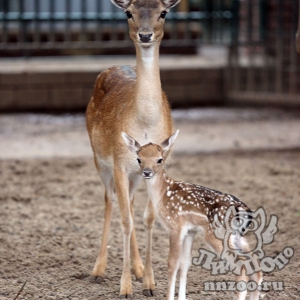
x=264, y=98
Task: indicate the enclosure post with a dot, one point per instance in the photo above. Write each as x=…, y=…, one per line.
x=298, y=32
x=233, y=83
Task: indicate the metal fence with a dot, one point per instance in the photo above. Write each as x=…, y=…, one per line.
x=34, y=27
x=264, y=65
x=260, y=35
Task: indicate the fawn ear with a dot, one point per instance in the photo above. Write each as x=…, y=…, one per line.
x=170, y=3
x=131, y=143
x=168, y=143
x=121, y=3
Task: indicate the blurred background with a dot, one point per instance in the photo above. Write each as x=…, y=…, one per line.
x=232, y=74
x=214, y=52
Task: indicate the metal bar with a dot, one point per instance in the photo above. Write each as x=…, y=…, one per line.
x=233, y=58
x=209, y=18
x=262, y=19
x=83, y=21
x=250, y=86
x=279, y=48
x=5, y=22
x=22, y=28
x=221, y=26
x=298, y=31
x=52, y=20
x=113, y=33
x=37, y=23
x=98, y=33
x=293, y=55
x=186, y=25
x=67, y=21
x=263, y=37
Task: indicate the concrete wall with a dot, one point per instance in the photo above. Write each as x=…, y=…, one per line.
x=35, y=89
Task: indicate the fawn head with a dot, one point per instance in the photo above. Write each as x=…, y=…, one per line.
x=150, y=157
x=146, y=18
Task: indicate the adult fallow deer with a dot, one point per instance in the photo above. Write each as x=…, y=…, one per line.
x=130, y=99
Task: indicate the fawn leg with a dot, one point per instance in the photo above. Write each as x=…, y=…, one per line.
x=173, y=262
x=185, y=260
x=148, y=281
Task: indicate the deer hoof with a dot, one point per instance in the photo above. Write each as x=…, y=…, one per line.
x=99, y=279
x=148, y=293
x=125, y=296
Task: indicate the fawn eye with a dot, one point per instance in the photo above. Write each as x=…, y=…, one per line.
x=160, y=161
x=128, y=14
x=139, y=161
x=163, y=14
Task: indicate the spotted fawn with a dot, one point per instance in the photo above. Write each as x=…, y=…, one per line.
x=184, y=209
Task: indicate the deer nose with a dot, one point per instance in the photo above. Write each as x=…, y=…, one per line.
x=147, y=173
x=145, y=38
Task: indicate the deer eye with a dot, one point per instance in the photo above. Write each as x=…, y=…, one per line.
x=163, y=14
x=139, y=161
x=160, y=161
x=128, y=14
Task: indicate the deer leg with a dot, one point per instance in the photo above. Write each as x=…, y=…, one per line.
x=256, y=276
x=148, y=280
x=185, y=260
x=101, y=262
x=122, y=190
x=217, y=246
x=137, y=265
x=173, y=262
x=236, y=243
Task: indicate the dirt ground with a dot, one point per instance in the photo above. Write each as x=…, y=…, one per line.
x=51, y=205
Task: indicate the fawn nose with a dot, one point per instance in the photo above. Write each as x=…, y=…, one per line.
x=145, y=37
x=147, y=173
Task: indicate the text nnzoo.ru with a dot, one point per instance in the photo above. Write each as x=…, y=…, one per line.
x=242, y=286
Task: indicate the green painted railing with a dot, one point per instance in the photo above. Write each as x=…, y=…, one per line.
x=28, y=26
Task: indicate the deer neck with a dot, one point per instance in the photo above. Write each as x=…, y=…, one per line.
x=148, y=86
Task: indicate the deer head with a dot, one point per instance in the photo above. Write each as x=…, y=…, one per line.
x=150, y=157
x=146, y=18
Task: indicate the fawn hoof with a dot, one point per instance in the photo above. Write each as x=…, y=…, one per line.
x=148, y=293
x=99, y=279
x=125, y=296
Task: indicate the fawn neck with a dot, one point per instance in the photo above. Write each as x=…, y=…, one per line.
x=148, y=87
x=157, y=186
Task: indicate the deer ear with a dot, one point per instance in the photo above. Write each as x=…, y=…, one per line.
x=121, y=3
x=168, y=143
x=131, y=143
x=170, y=3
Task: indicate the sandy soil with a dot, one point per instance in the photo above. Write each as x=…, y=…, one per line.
x=51, y=205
